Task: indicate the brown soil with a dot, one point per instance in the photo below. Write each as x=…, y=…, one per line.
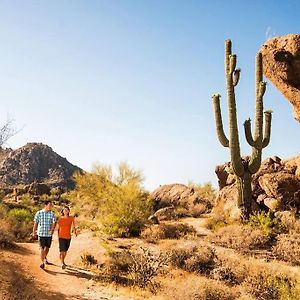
x=22, y=278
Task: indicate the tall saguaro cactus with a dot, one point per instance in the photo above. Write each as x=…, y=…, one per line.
x=243, y=168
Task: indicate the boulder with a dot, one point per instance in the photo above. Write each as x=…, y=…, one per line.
x=281, y=65
x=177, y=195
x=276, y=187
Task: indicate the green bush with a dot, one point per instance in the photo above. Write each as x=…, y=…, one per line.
x=118, y=201
x=265, y=286
x=20, y=221
x=267, y=223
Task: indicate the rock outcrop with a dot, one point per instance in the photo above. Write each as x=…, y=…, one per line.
x=281, y=64
x=35, y=163
x=171, y=196
x=276, y=187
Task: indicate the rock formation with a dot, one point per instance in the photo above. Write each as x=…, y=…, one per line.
x=172, y=196
x=276, y=187
x=281, y=63
x=35, y=163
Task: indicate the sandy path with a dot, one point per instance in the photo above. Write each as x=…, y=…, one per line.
x=53, y=282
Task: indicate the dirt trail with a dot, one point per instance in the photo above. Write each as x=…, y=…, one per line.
x=29, y=281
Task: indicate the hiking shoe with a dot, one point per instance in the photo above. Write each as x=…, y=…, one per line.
x=63, y=266
x=47, y=262
x=42, y=266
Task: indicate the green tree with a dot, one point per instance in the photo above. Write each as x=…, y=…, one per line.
x=116, y=200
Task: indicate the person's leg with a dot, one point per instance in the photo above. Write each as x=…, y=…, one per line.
x=63, y=256
x=46, y=253
x=42, y=242
x=67, y=246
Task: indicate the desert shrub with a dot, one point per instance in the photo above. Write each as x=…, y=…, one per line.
x=20, y=221
x=3, y=211
x=289, y=219
x=118, y=201
x=167, y=231
x=267, y=223
x=88, y=259
x=239, y=237
x=146, y=265
x=6, y=238
x=193, y=258
x=199, y=288
x=231, y=268
x=119, y=262
x=88, y=224
x=266, y=286
x=287, y=247
x=141, y=267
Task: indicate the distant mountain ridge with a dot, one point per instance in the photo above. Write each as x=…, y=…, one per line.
x=35, y=162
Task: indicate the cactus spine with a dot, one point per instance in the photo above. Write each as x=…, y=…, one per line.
x=243, y=168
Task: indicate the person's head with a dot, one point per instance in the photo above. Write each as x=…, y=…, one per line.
x=48, y=205
x=65, y=211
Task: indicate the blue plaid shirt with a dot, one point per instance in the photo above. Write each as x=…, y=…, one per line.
x=44, y=219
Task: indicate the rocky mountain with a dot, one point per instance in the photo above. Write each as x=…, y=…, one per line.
x=281, y=64
x=35, y=162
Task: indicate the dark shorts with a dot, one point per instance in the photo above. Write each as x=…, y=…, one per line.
x=45, y=241
x=64, y=244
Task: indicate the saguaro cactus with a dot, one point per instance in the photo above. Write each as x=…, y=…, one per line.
x=243, y=168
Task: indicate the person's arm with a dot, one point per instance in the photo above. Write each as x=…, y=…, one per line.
x=75, y=227
x=34, y=230
x=53, y=225
x=35, y=225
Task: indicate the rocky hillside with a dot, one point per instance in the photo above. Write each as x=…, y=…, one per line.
x=35, y=162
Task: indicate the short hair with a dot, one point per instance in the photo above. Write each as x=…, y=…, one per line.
x=47, y=202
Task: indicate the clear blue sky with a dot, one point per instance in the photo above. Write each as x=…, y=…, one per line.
x=108, y=81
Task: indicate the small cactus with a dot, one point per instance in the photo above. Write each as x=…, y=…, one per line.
x=243, y=168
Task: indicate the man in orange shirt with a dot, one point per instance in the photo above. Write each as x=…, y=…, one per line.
x=65, y=224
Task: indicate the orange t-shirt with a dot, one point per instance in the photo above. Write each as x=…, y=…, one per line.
x=64, y=229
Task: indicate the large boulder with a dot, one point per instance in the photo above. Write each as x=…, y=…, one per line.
x=178, y=195
x=276, y=187
x=281, y=65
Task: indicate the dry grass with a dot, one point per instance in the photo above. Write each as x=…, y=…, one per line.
x=196, y=287
x=6, y=238
x=239, y=237
x=288, y=248
x=155, y=233
x=200, y=258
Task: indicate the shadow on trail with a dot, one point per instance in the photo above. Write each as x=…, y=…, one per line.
x=14, y=285
x=72, y=271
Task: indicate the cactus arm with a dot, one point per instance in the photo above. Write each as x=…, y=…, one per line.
x=236, y=77
x=218, y=118
x=255, y=160
x=260, y=90
x=248, y=133
x=267, y=131
x=234, y=146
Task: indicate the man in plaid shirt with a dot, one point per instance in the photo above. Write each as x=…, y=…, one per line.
x=43, y=228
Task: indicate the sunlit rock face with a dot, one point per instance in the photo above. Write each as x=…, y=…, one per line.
x=281, y=63
x=275, y=187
